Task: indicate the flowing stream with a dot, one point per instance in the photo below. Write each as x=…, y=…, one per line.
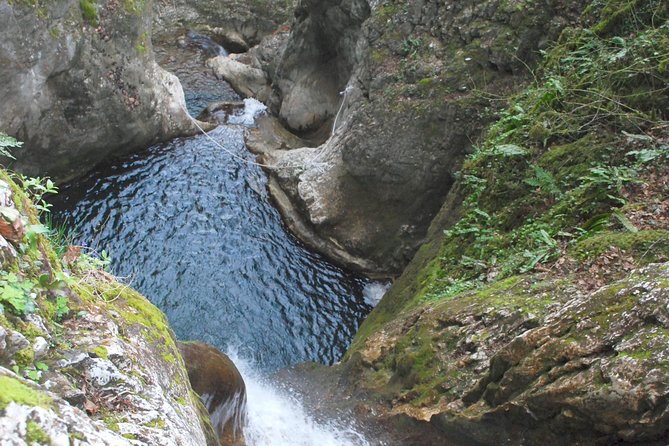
x=190, y=225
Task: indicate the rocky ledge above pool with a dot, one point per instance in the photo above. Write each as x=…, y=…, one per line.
x=84, y=359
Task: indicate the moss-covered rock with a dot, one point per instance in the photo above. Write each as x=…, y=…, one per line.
x=529, y=360
x=536, y=310
x=82, y=355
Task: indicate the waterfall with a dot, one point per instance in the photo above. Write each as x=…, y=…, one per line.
x=275, y=418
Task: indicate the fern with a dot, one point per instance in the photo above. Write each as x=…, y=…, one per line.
x=7, y=142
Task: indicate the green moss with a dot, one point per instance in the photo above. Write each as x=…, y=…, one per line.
x=101, y=352
x=646, y=345
x=169, y=358
x=76, y=436
x=25, y=357
x=89, y=11
x=35, y=434
x=644, y=246
x=638, y=355
x=619, y=16
x=14, y=390
x=210, y=434
x=142, y=43
x=379, y=55
x=112, y=421
x=386, y=12
x=134, y=6
x=30, y=331
x=570, y=161
x=158, y=423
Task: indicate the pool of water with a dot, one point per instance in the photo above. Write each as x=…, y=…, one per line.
x=189, y=224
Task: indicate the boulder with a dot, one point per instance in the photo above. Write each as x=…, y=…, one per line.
x=317, y=62
x=220, y=385
x=244, y=79
x=79, y=84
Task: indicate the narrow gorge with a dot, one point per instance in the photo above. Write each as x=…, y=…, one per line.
x=335, y=222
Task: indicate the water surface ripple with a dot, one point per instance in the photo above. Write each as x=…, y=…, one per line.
x=191, y=227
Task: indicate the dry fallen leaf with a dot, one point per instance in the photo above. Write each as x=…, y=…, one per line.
x=72, y=254
x=91, y=407
x=11, y=226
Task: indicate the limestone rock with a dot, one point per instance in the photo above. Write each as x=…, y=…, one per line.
x=399, y=81
x=40, y=347
x=529, y=362
x=244, y=79
x=238, y=22
x=317, y=61
x=79, y=85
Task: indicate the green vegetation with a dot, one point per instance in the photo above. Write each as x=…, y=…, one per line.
x=134, y=6
x=35, y=434
x=567, y=186
x=14, y=390
x=142, y=43
x=563, y=162
x=89, y=11
x=39, y=6
x=101, y=352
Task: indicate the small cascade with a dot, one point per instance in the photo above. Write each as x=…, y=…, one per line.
x=275, y=418
x=231, y=414
x=373, y=292
x=252, y=109
x=206, y=44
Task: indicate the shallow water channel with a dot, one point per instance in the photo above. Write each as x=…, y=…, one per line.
x=190, y=225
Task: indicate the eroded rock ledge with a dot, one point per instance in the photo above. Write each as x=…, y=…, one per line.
x=410, y=87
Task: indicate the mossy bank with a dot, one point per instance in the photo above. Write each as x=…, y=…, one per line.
x=536, y=311
x=82, y=357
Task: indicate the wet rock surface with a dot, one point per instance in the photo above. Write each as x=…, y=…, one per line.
x=215, y=378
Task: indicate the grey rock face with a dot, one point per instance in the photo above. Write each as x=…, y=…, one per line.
x=78, y=86
x=249, y=20
x=317, y=61
x=415, y=102
x=244, y=79
x=588, y=368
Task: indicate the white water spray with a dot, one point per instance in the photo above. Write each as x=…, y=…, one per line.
x=374, y=292
x=252, y=109
x=276, y=418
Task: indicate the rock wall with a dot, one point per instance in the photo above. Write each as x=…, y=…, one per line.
x=317, y=62
x=79, y=83
x=419, y=95
x=249, y=20
x=517, y=322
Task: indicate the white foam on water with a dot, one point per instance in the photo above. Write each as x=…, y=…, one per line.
x=252, y=109
x=275, y=418
x=374, y=292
